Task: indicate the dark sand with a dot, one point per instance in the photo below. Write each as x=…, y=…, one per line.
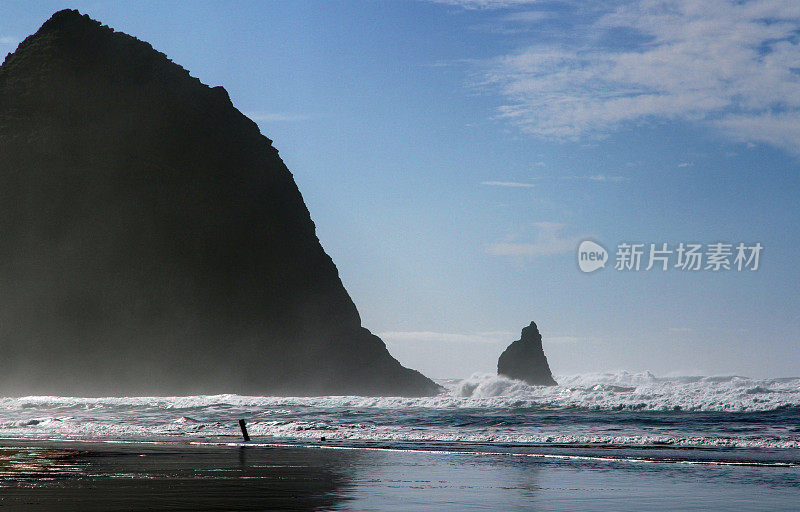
x=77, y=476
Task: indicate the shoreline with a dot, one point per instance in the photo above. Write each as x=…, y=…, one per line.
x=722, y=455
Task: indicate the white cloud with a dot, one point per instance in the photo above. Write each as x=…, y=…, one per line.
x=685, y=164
x=728, y=64
x=549, y=239
x=276, y=117
x=10, y=41
x=506, y=184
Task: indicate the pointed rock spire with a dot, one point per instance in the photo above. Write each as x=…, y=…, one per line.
x=524, y=359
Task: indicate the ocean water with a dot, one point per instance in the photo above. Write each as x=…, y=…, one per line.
x=599, y=442
x=728, y=420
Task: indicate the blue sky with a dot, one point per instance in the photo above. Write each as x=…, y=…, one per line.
x=454, y=154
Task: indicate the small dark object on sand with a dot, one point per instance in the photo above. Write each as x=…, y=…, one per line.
x=243, y=426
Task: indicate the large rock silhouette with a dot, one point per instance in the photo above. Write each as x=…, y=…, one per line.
x=152, y=240
x=524, y=359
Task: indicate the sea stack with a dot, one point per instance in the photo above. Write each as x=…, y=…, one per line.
x=524, y=359
x=152, y=241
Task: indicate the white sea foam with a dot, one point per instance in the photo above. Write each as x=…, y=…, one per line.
x=602, y=391
x=583, y=409
x=636, y=391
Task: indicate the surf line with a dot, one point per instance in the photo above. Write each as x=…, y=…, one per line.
x=635, y=460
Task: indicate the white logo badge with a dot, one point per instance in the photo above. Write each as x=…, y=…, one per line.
x=591, y=256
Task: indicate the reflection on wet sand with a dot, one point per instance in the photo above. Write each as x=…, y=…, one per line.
x=180, y=476
x=149, y=477
x=37, y=464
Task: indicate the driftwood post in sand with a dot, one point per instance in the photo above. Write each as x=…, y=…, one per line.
x=243, y=426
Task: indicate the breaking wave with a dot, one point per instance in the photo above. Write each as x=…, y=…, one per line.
x=609, y=409
x=636, y=391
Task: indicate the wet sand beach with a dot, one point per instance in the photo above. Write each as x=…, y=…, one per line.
x=106, y=477
x=178, y=476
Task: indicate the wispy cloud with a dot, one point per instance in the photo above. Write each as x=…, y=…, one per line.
x=565, y=339
x=599, y=177
x=492, y=337
x=777, y=129
x=507, y=184
x=500, y=338
x=9, y=41
x=548, y=239
x=276, y=117
x=612, y=178
x=728, y=64
x=527, y=16
x=486, y=4
x=685, y=164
